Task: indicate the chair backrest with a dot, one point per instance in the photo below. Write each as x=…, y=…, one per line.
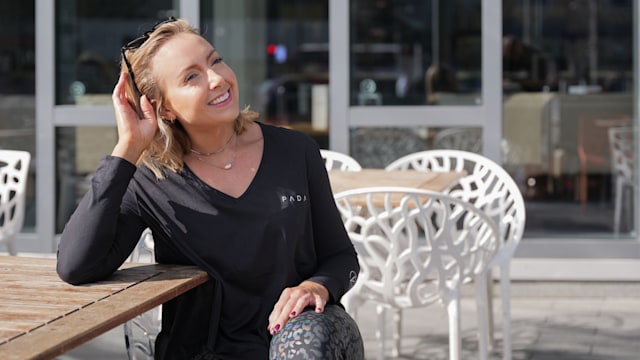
x=339, y=161
x=14, y=168
x=467, y=138
x=140, y=332
x=145, y=249
x=415, y=247
x=622, y=152
x=487, y=185
x=593, y=139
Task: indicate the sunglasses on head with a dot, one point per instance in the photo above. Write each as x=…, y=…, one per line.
x=135, y=44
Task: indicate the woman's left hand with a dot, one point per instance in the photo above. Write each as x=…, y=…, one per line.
x=295, y=299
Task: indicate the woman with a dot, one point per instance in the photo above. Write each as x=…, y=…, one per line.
x=249, y=203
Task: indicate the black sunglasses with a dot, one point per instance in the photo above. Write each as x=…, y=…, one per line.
x=135, y=44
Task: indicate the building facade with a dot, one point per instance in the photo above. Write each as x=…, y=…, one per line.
x=536, y=84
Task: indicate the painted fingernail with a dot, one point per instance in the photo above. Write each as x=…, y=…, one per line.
x=293, y=313
x=318, y=310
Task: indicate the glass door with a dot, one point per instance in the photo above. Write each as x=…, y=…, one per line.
x=568, y=77
x=403, y=71
x=542, y=85
x=546, y=86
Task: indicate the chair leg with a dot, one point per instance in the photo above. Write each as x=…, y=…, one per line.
x=482, y=310
x=11, y=245
x=397, y=332
x=583, y=188
x=505, y=292
x=351, y=302
x=628, y=205
x=618, y=206
x=380, y=332
x=453, y=310
x=490, y=317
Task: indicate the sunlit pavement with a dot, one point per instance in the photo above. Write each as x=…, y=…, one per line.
x=550, y=320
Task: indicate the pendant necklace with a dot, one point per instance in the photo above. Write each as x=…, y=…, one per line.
x=217, y=151
x=226, y=166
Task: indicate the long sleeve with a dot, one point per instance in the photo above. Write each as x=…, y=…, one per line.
x=337, y=260
x=104, y=229
x=284, y=229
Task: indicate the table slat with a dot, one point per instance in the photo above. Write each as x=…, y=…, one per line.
x=436, y=181
x=42, y=317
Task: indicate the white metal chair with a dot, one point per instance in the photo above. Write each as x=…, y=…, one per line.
x=466, y=138
x=140, y=332
x=489, y=187
x=340, y=161
x=14, y=168
x=416, y=248
x=622, y=163
x=594, y=147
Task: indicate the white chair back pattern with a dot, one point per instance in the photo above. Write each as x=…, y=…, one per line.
x=489, y=187
x=468, y=139
x=140, y=332
x=339, y=161
x=415, y=248
x=14, y=168
x=621, y=141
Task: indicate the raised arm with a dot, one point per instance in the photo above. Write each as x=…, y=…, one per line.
x=106, y=225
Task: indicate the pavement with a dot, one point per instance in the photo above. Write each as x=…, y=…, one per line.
x=551, y=320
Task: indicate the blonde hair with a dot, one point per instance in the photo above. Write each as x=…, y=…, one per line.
x=171, y=141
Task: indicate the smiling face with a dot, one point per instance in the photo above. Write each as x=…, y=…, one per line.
x=199, y=88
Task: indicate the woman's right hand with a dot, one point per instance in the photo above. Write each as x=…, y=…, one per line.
x=134, y=133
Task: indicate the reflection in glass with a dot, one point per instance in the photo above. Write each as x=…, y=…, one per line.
x=281, y=59
x=89, y=35
x=415, y=52
x=568, y=81
x=457, y=138
x=377, y=147
x=17, y=91
x=78, y=151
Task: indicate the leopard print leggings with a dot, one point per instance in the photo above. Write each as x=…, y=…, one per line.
x=331, y=335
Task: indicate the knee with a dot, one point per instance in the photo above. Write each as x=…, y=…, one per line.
x=329, y=335
x=309, y=330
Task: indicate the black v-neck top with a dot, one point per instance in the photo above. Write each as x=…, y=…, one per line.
x=284, y=229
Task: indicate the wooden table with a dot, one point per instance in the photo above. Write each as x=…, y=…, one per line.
x=42, y=317
x=436, y=181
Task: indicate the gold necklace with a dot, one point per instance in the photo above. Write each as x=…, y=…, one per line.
x=226, y=166
x=216, y=151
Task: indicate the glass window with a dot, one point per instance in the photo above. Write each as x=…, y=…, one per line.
x=415, y=52
x=279, y=52
x=17, y=89
x=568, y=82
x=79, y=149
x=89, y=35
x=377, y=147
